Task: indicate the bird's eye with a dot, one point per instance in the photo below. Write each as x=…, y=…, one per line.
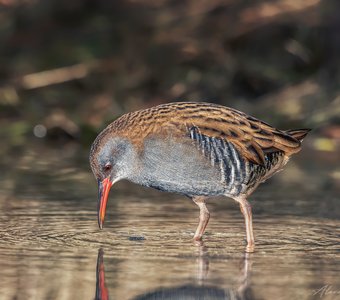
x=107, y=167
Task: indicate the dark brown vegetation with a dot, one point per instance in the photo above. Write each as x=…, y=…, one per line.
x=73, y=66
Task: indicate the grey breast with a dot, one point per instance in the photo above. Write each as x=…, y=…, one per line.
x=174, y=166
x=200, y=165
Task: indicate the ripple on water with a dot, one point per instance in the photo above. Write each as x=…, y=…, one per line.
x=49, y=246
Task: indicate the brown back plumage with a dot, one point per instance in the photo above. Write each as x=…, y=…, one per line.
x=298, y=134
x=252, y=137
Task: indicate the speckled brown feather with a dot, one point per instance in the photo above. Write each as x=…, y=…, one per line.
x=252, y=137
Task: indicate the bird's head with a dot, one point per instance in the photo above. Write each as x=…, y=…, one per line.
x=111, y=159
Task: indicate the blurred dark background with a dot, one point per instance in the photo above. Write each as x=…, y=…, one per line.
x=67, y=68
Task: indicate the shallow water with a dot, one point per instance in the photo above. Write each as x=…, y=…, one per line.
x=51, y=247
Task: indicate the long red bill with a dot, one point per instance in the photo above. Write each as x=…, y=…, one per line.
x=104, y=190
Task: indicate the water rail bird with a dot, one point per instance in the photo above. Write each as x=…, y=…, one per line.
x=195, y=149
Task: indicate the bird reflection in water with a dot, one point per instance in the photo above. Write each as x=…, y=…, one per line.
x=101, y=289
x=189, y=291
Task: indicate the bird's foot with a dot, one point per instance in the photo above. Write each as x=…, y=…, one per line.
x=198, y=240
x=250, y=248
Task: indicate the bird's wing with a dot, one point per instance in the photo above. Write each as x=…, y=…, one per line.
x=251, y=137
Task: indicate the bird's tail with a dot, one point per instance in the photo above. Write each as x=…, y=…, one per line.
x=298, y=134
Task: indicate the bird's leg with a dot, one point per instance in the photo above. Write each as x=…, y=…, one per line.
x=246, y=211
x=203, y=218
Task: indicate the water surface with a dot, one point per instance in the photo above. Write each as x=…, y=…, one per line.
x=51, y=247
